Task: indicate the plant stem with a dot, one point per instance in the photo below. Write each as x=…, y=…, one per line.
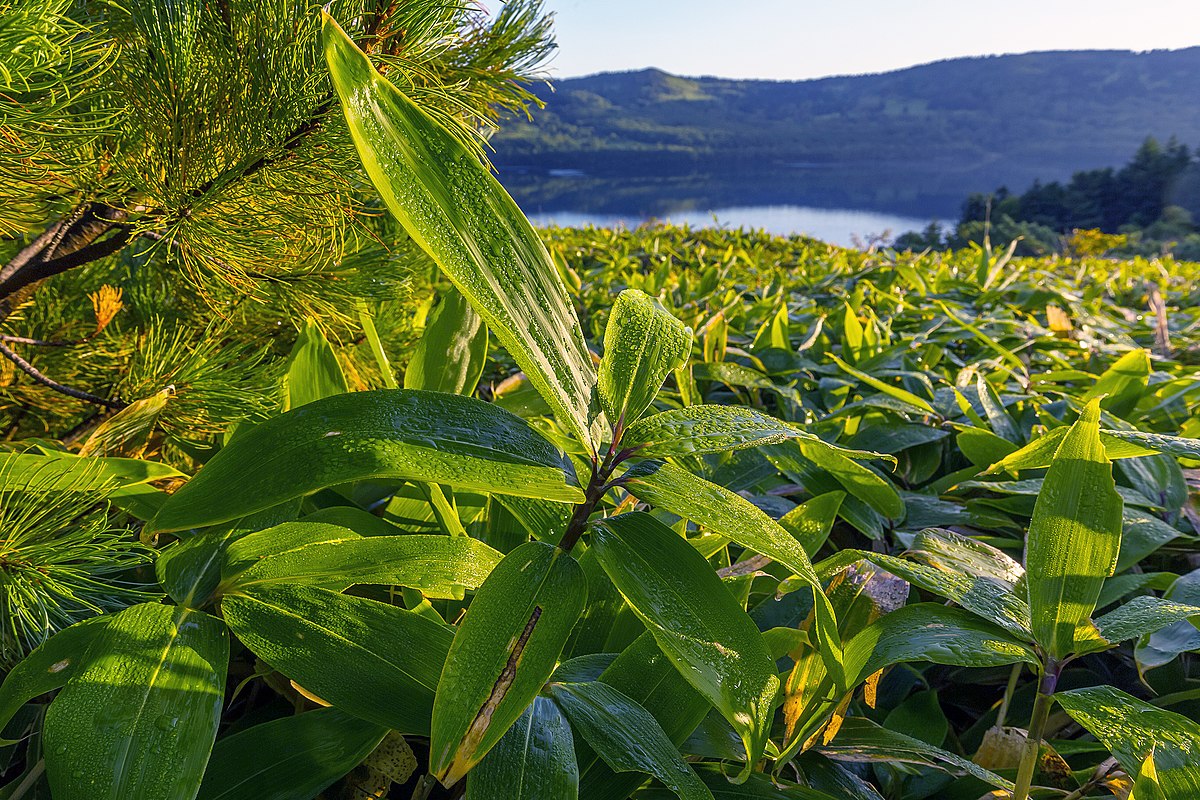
x=1013, y=677
x=424, y=787
x=596, y=488
x=1037, y=724
x=30, y=780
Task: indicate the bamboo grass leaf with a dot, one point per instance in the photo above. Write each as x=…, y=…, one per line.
x=1073, y=540
x=1133, y=730
x=387, y=433
x=694, y=619
x=139, y=719
x=535, y=760
x=626, y=737
x=291, y=758
x=452, y=352
x=503, y=651
x=370, y=659
x=460, y=215
x=642, y=344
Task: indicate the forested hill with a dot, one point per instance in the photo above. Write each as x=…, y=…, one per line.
x=1044, y=114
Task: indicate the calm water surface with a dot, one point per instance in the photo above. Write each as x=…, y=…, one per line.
x=846, y=205
x=846, y=227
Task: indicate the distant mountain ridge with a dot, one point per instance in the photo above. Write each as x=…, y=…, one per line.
x=1015, y=117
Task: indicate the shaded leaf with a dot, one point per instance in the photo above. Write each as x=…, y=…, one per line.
x=452, y=351
x=370, y=659
x=694, y=619
x=626, y=736
x=292, y=758
x=535, y=760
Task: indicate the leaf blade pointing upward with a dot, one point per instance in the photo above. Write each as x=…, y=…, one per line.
x=460, y=215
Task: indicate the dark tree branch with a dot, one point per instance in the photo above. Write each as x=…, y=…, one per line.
x=4, y=337
x=40, y=270
x=33, y=372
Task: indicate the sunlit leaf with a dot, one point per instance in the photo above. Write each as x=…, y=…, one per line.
x=389, y=433
x=503, y=651
x=460, y=215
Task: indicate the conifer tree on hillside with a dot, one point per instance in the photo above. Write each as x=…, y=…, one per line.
x=178, y=191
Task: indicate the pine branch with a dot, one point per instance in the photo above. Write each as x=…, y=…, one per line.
x=72, y=241
x=33, y=372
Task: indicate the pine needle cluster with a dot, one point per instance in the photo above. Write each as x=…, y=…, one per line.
x=178, y=194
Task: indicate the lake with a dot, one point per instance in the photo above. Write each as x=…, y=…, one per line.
x=841, y=204
x=841, y=226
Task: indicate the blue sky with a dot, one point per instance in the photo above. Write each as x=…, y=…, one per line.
x=791, y=39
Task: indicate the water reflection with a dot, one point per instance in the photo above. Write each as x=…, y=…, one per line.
x=844, y=227
x=837, y=203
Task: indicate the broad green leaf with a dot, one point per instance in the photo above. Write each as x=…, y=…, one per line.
x=370, y=659
x=250, y=548
x=1142, y=533
x=503, y=651
x=452, y=351
x=626, y=737
x=862, y=741
x=1152, y=443
x=694, y=619
x=292, y=758
x=48, y=667
x=453, y=207
x=1073, y=540
x=190, y=570
x=68, y=472
x=313, y=371
x=1143, y=615
x=1132, y=730
x=402, y=434
x=1122, y=384
x=664, y=485
x=643, y=673
x=713, y=429
x=642, y=344
x=1002, y=424
x=437, y=566
x=812, y=522
x=936, y=633
x=950, y=551
x=1117, y=445
x=1162, y=646
x=919, y=404
x=140, y=717
x=535, y=760
x=982, y=447
x=858, y=481
x=985, y=597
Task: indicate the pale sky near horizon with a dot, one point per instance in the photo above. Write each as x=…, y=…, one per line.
x=796, y=39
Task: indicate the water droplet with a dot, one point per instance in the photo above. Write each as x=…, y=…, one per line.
x=166, y=722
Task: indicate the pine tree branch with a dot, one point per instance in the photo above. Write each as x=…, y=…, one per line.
x=4, y=337
x=33, y=372
x=72, y=241
x=41, y=270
